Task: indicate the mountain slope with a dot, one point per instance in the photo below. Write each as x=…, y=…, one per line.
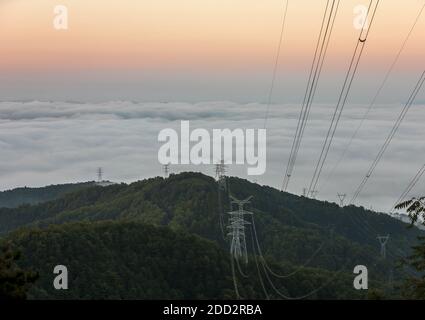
x=131, y=260
x=291, y=230
x=20, y=196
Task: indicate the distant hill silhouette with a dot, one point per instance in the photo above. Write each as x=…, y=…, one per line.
x=19, y=196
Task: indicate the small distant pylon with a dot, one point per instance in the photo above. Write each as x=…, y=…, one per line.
x=383, y=241
x=99, y=174
x=341, y=197
x=166, y=169
x=237, y=225
x=314, y=193
x=220, y=169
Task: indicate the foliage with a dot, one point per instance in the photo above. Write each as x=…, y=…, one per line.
x=321, y=238
x=415, y=207
x=14, y=281
x=21, y=196
x=132, y=260
x=414, y=287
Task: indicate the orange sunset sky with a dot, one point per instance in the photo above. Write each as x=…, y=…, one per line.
x=173, y=46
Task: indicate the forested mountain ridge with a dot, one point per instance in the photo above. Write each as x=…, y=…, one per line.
x=20, y=196
x=189, y=201
x=292, y=230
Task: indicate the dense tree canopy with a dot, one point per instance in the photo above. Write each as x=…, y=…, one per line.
x=14, y=281
x=122, y=229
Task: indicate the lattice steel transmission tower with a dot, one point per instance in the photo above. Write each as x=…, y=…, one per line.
x=220, y=171
x=313, y=193
x=383, y=241
x=342, y=197
x=99, y=174
x=237, y=225
x=166, y=169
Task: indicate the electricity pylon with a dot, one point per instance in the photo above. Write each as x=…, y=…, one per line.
x=341, y=197
x=383, y=241
x=99, y=174
x=237, y=225
x=314, y=193
x=166, y=169
x=220, y=171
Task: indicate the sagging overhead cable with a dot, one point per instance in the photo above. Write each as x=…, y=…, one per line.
x=361, y=41
x=377, y=94
x=315, y=71
x=276, y=63
x=390, y=136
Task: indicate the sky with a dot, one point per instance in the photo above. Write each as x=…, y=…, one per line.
x=191, y=50
x=98, y=93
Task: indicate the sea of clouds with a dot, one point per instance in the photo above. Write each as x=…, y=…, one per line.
x=56, y=142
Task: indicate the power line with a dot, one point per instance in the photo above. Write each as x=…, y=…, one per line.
x=267, y=269
x=276, y=62
x=240, y=269
x=367, y=230
x=390, y=136
x=344, y=94
x=286, y=296
x=328, y=22
x=363, y=224
x=377, y=94
x=263, y=260
x=258, y=268
x=317, y=65
x=235, y=281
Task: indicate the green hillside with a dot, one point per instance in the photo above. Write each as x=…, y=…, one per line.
x=20, y=196
x=292, y=232
x=131, y=260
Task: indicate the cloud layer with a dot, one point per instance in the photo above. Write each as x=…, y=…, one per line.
x=54, y=142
